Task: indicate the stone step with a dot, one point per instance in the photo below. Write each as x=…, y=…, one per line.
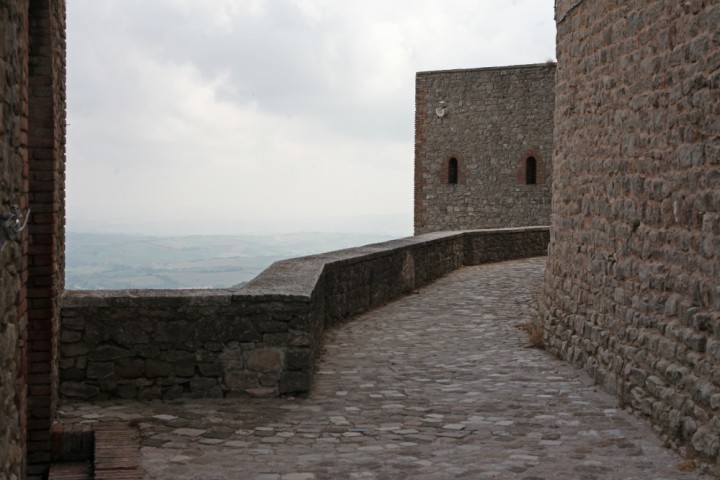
x=70, y=471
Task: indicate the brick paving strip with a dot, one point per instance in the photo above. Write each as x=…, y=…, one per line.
x=435, y=385
x=117, y=452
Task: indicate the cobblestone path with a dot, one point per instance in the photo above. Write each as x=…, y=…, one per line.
x=435, y=385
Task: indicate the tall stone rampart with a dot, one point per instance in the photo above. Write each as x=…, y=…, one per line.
x=263, y=338
x=632, y=289
x=13, y=266
x=483, y=147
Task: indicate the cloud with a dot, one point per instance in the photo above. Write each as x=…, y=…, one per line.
x=235, y=111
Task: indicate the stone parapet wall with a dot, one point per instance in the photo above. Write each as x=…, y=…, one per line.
x=263, y=338
x=492, y=121
x=632, y=288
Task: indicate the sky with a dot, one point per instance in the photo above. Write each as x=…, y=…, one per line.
x=196, y=117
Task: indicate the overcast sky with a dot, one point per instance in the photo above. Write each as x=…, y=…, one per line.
x=265, y=116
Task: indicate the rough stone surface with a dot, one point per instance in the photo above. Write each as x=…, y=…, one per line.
x=436, y=385
x=493, y=120
x=13, y=185
x=267, y=335
x=631, y=291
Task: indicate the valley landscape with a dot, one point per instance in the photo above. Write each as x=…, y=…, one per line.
x=101, y=261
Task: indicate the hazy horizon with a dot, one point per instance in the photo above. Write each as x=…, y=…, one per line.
x=390, y=225
x=124, y=260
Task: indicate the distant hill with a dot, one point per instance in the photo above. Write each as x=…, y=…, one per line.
x=116, y=261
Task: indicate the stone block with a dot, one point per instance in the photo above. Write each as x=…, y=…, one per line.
x=152, y=392
x=300, y=339
x=178, y=356
x=185, y=368
x=276, y=339
x=127, y=391
x=157, y=368
x=70, y=336
x=215, y=391
x=100, y=370
x=294, y=382
x=130, y=367
x=239, y=381
x=147, y=350
x=74, y=349
x=266, y=360
x=706, y=441
x=675, y=373
x=127, y=335
x=263, y=392
x=72, y=374
x=200, y=384
x=697, y=342
x=210, y=369
x=213, y=346
x=78, y=390
x=637, y=376
x=109, y=352
x=238, y=328
x=272, y=326
x=299, y=359
x=173, y=393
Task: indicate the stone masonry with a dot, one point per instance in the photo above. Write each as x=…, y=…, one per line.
x=632, y=291
x=483, y=147
x=13, y=188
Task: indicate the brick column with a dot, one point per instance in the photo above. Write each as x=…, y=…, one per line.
x=46, y=148
x=419, y=183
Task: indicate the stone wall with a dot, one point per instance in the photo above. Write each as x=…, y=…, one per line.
x=492, y=120
x=32, y=161
x=632, y=291
x=262, y=339
x=13, y=188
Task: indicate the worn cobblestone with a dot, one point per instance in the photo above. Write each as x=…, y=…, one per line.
x=435, y=385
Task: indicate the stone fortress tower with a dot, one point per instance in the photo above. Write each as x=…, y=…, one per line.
x=632, y=285
x=483, y=147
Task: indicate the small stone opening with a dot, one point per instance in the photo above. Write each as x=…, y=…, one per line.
x=453, y=171
x=530, y=171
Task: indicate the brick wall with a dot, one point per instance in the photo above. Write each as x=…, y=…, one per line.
x=13, y=191
x=632, y=291
x=46, y=234
x=263, y=338
x=32, y=137
x=494, y=119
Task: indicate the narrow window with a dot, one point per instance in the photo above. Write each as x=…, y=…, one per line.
x=452, y=171
x=530, y=171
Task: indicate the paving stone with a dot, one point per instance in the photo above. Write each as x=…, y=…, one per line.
x=435, y=385
x=188, y=432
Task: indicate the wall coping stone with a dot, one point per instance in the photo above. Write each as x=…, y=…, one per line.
x=291, y=279
x=487, y=69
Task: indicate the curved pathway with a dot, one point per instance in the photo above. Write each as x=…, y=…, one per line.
x=435, y=385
